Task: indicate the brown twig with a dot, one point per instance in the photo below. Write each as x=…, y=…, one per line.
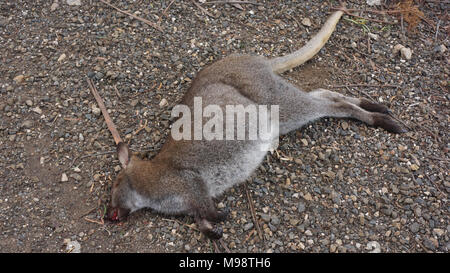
x=365, y=94
x=252, y=210
x=166, y=9
x=224, y=245
x=438, y=158
x=370, y=19
x=95, y=221
x=97, y=154
x=379, y=11
x=401, y=121
x=180, y=223
x=347, y=11
x=422, y=246
x=155, y=26
x=117, y=92
x=111, y=126
x=88, y=212
x=216, y=249
x=202, y=9
x=363, y=85
x=141, y=127
x=249, y=236
x=232, y=2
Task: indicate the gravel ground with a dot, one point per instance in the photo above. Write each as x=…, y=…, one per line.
x=334, y=186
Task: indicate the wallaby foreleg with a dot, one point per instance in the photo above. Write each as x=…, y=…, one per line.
x=204, y=213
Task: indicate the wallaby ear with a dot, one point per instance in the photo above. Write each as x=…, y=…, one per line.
x=124, y=154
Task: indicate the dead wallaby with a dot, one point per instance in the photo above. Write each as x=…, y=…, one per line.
x=186, y=174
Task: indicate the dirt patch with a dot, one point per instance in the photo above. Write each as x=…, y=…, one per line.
x=311, y=76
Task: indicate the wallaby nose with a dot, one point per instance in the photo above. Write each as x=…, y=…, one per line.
x=116, y=214
x=111, y=214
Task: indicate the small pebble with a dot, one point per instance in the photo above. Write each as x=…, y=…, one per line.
x=74, y=2
x=62, y=57
x=163, y=103
x=406, y=53
x=19, y=79
x=373, y=247
x=96, y=111
x=306, y=22
x=64, y=178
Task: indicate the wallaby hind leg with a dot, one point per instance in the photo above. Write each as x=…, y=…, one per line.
x=363, y=103
x=297, y=108
x=338, y=105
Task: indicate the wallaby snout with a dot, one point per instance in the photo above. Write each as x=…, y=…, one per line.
x=116, y=214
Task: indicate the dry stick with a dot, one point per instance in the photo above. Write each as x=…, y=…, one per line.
x=88, y=212
x=224, y=245
x=427, y=21
x=216, y=249
x=252, y=210
x=401, y=24
x=202, y=9
x=399, y=120
x=155, y=26
x=293, y=18
x=165, y=12
x=422, y=246
x=249, y=236
x=438, y=1
x=438, y=158
x=166, y=9
x=363, y=85
x=232, y=2
x=437, y=30
x=97, y=154
x=370, y=19
x=111, y=126
x=381, y=11
x=366, y=94
x=117, y=91
x=357, y=16
x=180, y=223
x=95, y=221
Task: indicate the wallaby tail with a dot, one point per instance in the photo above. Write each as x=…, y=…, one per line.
x=284, y=63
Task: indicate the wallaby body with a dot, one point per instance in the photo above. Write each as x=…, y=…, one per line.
x=186, y=174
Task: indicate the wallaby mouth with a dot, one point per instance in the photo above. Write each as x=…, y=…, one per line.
x=116, y=214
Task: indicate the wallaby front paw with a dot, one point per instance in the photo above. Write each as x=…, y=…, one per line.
x=211, y=231
x=214, y=233
x=220, y=216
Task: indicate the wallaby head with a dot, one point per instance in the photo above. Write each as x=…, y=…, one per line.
x=120, y=205
x=186, y=174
